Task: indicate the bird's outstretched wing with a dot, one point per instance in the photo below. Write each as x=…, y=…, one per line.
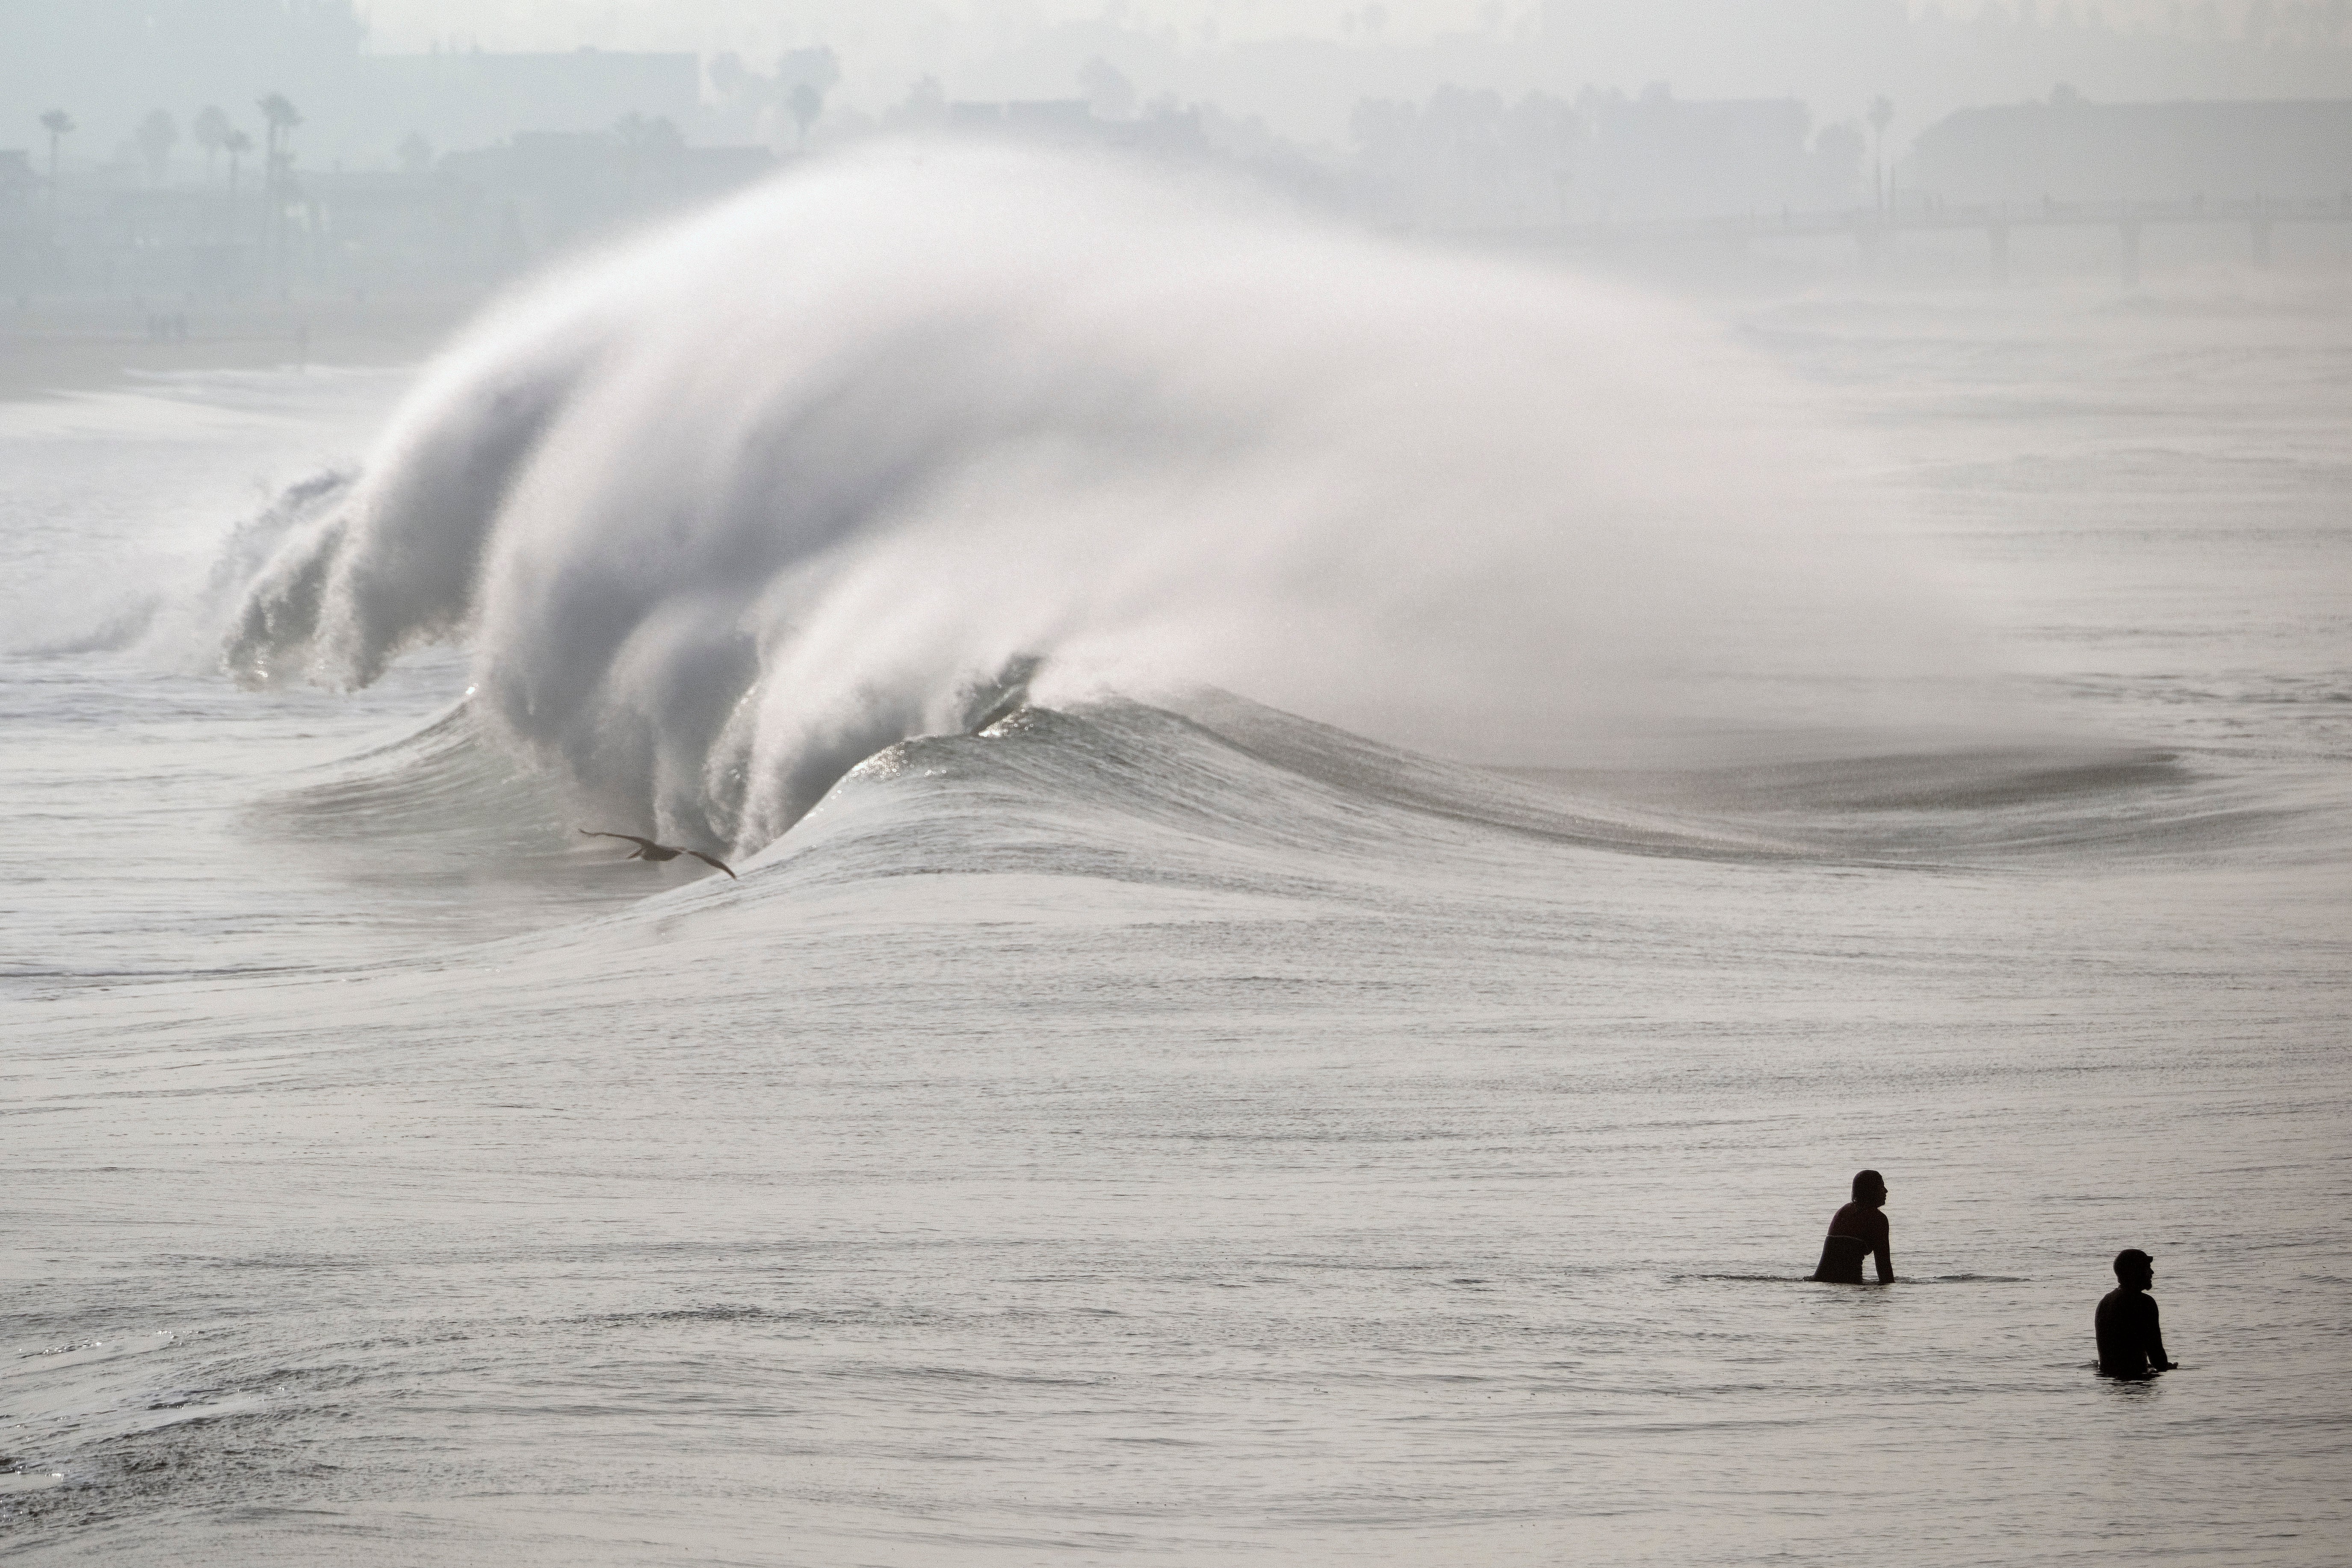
x=714, y=860
x=641, y=842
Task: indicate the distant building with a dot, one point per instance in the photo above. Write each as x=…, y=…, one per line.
x=1048, y=116
x=573, y=144
x=468, y=98
x=1475, y=160
x=547, y=190
x=1658, y=156
x=17, y=180
x=112, y=63
x=2068, y=150
x=474, y=218
x=1072, y=122
x=21, y=238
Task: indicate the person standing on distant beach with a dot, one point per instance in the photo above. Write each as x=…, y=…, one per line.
x=2131, y=1340
x=1857, y=1229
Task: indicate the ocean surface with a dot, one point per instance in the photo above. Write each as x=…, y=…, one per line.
x=1125, y=1120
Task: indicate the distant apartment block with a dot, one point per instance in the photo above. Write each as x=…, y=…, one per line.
x=2068, y=150
x=468, y=98
x=17, y=180
x=1072, y=122
x=1477, y=160
x=1659, y=157
x=113, y=63
x=20, y=240
x=542, y=192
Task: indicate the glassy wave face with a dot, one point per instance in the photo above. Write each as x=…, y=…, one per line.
x=890, y=445
x=1214, y=791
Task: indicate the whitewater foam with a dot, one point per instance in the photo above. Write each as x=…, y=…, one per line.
x=730, y=508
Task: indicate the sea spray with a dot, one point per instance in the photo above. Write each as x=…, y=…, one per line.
x=727, y=510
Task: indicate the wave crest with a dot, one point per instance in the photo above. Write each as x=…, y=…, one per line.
x=873, y=450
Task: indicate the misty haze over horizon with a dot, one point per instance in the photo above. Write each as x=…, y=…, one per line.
x=1070, y=784
x=1301, y=71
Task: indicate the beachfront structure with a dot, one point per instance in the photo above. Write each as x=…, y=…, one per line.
x=2068, y=150
x=115, y=63
x=466, y=219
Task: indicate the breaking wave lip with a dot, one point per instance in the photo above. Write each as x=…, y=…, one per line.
x=1323, y=786
x=907, y=439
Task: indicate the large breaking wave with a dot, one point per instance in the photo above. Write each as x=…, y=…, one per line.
x=874, y=450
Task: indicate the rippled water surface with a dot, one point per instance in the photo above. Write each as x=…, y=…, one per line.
x=1132, y=1134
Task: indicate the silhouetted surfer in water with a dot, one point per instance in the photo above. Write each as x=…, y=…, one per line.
x=646, y=849
x=1857, y=1229
x=2131, y=1342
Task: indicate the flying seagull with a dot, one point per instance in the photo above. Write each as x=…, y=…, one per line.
x=646, y=849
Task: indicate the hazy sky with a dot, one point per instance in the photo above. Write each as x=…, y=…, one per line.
x=1302, y=69
x=1303, y=65
x=561, y=24
x=702, y=25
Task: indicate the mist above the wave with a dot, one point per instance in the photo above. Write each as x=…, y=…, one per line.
x=726, y=510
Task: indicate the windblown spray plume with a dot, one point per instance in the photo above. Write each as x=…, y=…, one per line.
x=727, y=510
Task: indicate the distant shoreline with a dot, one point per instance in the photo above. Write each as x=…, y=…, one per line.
x=53, y=348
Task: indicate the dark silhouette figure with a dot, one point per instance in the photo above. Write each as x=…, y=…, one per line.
x=2131, y=1342
x=646, y=849
x=1857, y=1230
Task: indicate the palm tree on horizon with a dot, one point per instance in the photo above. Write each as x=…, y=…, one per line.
x=280, y=117
x=1882, y=114
x=59, y=125
x=236, y=144
x=211, y=129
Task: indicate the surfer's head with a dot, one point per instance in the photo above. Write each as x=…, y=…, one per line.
x=2134, y=1269
x=1869, y=1187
